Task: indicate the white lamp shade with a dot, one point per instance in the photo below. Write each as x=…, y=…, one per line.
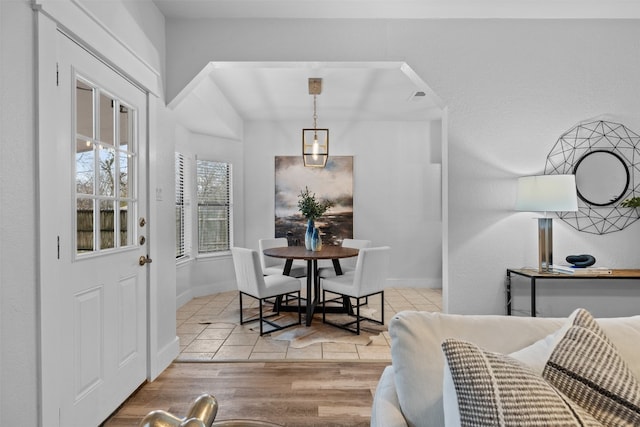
x=547, y=193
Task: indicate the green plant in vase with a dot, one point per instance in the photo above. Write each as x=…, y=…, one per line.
x=632, y=202
x=312, y=209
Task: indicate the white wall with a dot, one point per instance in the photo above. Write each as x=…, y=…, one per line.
x=162, y=277
x=511, y=88
x=207, y=274
x=396, y=188
x=18, y=274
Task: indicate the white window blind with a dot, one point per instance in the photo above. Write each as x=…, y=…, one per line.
x=214, y=206
x=181, y=212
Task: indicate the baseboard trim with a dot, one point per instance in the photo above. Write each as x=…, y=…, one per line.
x=204, y=290
x=430, y=283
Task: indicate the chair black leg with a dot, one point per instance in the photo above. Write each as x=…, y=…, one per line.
x=354, y=325
x=260, y=311
x=265, y=319
x=324, y=306
x=358, y=316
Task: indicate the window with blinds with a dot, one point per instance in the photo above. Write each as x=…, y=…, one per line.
x=213, y=181
x=182, y=202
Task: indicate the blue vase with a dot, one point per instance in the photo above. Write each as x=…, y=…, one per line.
x=308, y=236
x=316, y=241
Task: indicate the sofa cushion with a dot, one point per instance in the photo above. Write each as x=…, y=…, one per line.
x=586, y=367
x=418, y=361
x=494, y=389
x=385, y=411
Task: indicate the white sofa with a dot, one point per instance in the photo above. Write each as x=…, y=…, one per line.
x=410, y=391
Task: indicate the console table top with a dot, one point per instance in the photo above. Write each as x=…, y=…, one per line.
x=616, y=273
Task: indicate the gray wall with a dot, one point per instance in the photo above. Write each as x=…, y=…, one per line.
x=396, y=188
x=18, y=262
x=511, y=87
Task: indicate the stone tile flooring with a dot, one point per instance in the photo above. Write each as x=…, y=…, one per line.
x=209, y=329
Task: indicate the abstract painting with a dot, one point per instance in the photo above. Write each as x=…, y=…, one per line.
x=334, y=182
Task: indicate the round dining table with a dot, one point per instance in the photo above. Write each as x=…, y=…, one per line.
x=333, y=253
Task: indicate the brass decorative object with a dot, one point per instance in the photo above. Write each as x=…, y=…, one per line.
x=202, y=413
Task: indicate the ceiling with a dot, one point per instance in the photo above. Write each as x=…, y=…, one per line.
x=393, y=9
x=225, y=94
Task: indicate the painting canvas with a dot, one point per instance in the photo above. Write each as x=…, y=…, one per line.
x=334, y=182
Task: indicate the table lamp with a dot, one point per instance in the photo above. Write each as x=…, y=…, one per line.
x=546, y=193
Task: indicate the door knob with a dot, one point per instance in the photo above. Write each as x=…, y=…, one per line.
x=145, y=260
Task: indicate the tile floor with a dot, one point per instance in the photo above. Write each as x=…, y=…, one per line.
x=209, y=329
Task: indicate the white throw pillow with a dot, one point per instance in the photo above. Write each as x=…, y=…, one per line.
x=449, y=399
x=536, y=355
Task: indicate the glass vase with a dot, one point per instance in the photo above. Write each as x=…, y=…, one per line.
x=316, y=241
x=308, y=236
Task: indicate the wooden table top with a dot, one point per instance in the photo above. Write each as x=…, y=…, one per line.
x=300, y=252
x=616, y=273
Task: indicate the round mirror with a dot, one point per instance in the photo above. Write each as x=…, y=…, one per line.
x=602, y=178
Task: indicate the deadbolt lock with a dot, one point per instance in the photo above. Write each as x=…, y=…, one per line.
x=143, y=222
x=145, y=260
x=142, y=240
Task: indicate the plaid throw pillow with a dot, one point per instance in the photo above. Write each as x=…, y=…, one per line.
x=587, y=368
x=496, y=390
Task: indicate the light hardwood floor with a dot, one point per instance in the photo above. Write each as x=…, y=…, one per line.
x=315, y=393
x=297, y=391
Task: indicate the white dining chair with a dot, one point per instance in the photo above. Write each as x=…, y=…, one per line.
x=253, y=283
x=346, y=264
x=368, y=279
x=271, y=265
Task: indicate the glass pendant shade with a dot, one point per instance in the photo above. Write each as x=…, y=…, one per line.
x=315, y=147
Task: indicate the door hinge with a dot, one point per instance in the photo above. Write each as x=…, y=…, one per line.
x=57, y=76
x=58, y=247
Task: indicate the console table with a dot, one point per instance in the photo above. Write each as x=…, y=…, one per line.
x=534, y=275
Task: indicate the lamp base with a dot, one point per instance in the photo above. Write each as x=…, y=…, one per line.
x=545, y=244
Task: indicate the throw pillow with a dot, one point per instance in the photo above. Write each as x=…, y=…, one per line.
x=587, y=368
x=496, y=390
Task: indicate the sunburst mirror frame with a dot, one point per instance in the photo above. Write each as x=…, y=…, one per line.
x=582, y=141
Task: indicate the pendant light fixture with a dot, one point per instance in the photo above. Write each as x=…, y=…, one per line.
x=315, y=142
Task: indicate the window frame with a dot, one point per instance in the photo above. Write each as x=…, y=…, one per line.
x=227, y=204
x=95, y=197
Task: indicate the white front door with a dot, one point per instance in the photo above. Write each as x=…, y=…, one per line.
x=98, y=174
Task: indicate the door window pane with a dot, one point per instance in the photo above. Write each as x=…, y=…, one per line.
x=85, y=166
x=126, y=128
x=123, y=173
x=107, y=225
x=84, y=225
x=124, y=224
x=84, y=110
x=107, y=116
x=106, y=177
